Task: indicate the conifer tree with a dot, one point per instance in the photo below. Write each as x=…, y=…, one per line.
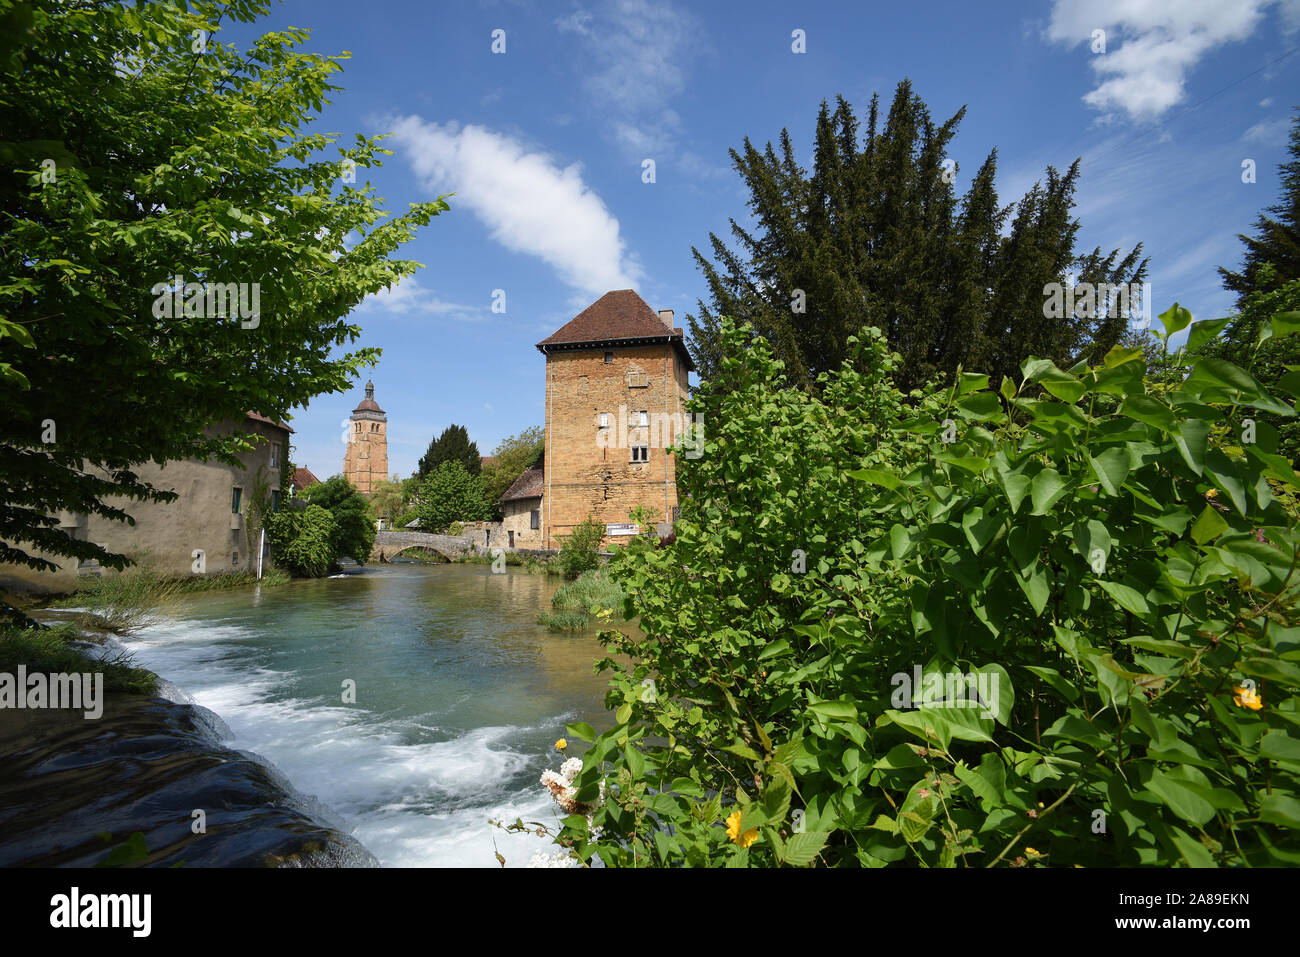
x=876, y=235
x=1277, y=240
x=452, y=446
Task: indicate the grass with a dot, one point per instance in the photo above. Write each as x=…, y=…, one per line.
x=48, y=651
x=121, y=602
x=573, y=604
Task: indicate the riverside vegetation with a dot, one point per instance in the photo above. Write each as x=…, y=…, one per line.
x=1116, y=545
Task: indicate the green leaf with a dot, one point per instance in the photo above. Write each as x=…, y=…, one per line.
x=1036, y=588
x=1285, y=323
x=1111, y=468
x=1118, y=355
x=581, y=730
x=802, y=849
x=1180, y=798
x=1174, y=319
x=1209, y=526
x=1143, y=409
x=979, y=406
x=1205, y=331
x=1280, y=809
x=972, y=382
x=742, y=750
x=1128, y=598
x=1191, y=438
x=1045, y=489
x=875, y=477
x=835, y=710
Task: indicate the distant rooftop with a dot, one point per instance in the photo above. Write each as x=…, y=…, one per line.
x=528, y=485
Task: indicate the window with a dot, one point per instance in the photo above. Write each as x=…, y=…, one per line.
x=640, y=453
x=642, y=419
x=604, y=420
x=535, y=518
x=609, y=357
x=236, y=494
x=636, y=379
x=275, y=499
x=234, y=558
x=275, y=455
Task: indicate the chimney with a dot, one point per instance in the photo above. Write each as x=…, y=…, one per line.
x=666, y=317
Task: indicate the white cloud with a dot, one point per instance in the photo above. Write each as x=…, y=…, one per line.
x=1269, y=132
x=409, y=296
x=637, y=58
x=1152, y=45
x=528, y=202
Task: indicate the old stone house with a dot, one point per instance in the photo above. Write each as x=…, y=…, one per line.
x=521, y=511
x=206, y=530
x=616, y=393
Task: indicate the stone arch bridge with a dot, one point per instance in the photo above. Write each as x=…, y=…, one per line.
x=391, y=543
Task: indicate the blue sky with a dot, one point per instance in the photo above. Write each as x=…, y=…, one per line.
x=544, y=147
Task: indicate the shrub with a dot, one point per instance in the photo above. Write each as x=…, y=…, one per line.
x=301, y=540
x=581, y=550
x=354, y=522
x=1108, y=569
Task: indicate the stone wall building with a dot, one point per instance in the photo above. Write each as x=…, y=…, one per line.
x=616, y=393
x=521, y=511
x=365, y=463
x=206, y=530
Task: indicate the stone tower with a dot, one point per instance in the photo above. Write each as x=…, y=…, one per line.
x=366, y=460
x=616, y=392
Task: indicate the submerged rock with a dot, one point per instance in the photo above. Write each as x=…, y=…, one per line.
x=146, y=766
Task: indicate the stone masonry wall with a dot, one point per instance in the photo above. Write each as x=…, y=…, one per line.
x=589, y=470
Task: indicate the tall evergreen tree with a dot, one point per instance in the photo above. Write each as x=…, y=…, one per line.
x=1276, y=241
x=875, y=235
x=452, y=446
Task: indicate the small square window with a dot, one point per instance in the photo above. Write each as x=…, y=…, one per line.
x=642, y=419
x=640, y=453
x=609, y=357
x=604, y=420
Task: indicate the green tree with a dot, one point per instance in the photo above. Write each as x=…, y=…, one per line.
x=1276, y=242
x=140, y=147
x=875, y=235
x=302, y=540
x=450, y=494
x=387, y=498
x=511, y=457
x=1270, y=359
x=452, y=446
x=354, y=522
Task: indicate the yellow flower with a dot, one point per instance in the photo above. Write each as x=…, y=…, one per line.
x=1212, y=493
x=561, y=744
x=1031, y=852
x=733, y=831
x=1247, y=698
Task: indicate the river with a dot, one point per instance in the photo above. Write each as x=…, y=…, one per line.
x=459, y=698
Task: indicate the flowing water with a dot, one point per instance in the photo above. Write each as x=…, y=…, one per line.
x=459, y=698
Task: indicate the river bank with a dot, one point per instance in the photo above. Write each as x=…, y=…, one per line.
x=74, y=792
x=405, y=705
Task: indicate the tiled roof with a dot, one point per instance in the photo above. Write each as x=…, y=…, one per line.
x=528, y=485
x=261, y=418
x=302, y=478
x=620, y=314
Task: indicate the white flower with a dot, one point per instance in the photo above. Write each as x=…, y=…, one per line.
x=571, y=768
x=558, y=859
